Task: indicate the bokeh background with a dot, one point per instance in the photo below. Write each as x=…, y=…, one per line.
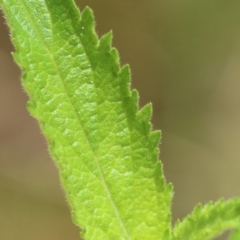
x=185, y=59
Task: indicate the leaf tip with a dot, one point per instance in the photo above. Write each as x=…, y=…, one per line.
x=87, y=16
x=106, y=41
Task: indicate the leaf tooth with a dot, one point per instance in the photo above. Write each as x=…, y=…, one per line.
x=145, y=112
x=177, y=223
x=143, y=117
x=155, y=137
x=105, y=42
x=124, y=76
x=130, y=102
x=134, y=101
x=130, y=98
x=115, y=55
x=88, y=36
x=17, y=57
x=160, y=181
x=31, y=107
x=87, y=21
x=198, y=208
x=109, y=54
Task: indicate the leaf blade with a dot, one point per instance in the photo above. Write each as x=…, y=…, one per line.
x=235, y=235
x=209, y=221
x=102, y=144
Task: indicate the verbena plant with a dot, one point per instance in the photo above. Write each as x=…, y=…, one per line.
x=102, y=143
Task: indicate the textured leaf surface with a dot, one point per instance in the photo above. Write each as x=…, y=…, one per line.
x=103, y=146
x=209, y=221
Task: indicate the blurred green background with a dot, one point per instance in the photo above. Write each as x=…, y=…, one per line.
x=185, y=59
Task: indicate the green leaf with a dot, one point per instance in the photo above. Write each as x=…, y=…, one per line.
x=102, y=143
x=209, y=221
x=235, y=235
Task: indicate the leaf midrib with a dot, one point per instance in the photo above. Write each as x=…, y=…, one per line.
x=117, y=214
